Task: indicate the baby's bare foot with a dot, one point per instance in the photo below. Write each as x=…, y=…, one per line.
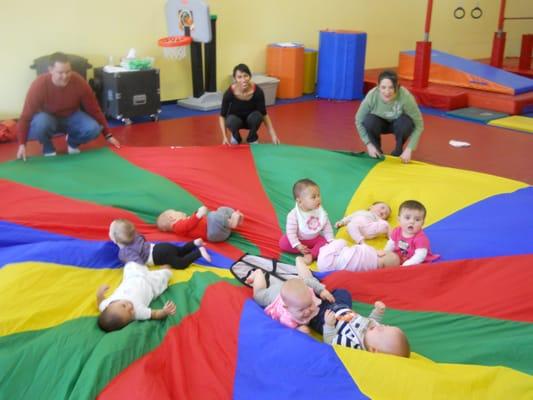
x=251, y=278
x=308, y=259
x=202, y=211
x=204, y=253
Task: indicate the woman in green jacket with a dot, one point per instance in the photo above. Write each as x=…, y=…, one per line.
x=389, y=108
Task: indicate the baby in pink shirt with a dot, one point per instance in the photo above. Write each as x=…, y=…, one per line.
x=408, y=240
x=294, y=302
x=338, y=255
x=367, y=224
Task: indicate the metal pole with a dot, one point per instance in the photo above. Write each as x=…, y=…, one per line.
x=501, y=18
x=210, y=50
x=428, y=20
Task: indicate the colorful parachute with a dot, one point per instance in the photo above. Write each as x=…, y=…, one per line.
x=468, y=317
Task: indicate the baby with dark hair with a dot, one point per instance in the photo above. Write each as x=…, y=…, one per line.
x=131, y=300
x=408, y=240
x=308, y=227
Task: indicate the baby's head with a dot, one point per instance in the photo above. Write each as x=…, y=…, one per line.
x=116, y=315
x=411, y=216
x=307, y=194
x=389, y=259
x=387, y=339
x=298, y=300
x=381, y=209
x=168, y=218
x=122, y=232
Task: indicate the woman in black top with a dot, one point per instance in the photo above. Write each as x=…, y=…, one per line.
x=243, y=107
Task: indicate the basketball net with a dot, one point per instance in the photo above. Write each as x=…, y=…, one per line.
x=175, y=47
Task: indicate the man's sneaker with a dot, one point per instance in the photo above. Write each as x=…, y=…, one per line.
x=233, y=141
x=72, y=150
x=51, y=154
x=254, y=142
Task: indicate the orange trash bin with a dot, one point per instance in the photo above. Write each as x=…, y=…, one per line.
x=285, y=61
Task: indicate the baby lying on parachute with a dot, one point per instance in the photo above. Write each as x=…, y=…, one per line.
x=295, y=298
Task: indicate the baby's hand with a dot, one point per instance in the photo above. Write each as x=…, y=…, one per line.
x=202, y=212
x=304, y=329
x=326, y=295
x=169, y=308
x=338, y=224
x=329, y=318
x=102, y=289
x=302, y=248
x=380, y=306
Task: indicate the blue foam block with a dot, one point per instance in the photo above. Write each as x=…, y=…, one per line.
x=341, y=65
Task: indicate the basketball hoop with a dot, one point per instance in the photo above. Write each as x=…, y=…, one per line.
x=175, y=47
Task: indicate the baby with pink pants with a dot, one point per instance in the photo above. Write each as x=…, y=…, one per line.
x=308, y=227
x=338, y=255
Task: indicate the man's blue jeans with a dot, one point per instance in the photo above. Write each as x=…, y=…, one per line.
x=80, y=127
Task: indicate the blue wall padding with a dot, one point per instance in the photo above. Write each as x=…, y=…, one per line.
x=520, y=84
x=270, y=356
x=341, y=65
x=501, y=225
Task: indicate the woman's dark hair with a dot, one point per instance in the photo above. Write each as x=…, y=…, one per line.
x=242, y=68
x=392, y=76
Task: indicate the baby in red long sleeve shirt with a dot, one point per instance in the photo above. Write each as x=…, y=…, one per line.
x=213, y=226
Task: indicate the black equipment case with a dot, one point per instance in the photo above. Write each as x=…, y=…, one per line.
x=123, y=95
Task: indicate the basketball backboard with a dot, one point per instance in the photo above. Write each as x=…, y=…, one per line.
x=191, y=13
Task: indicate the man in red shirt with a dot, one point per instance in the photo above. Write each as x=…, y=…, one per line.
x=54, y=105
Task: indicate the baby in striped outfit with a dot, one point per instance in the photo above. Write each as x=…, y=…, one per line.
x=347, y=328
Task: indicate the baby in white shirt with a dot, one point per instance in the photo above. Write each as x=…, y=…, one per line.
x=131, y=300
